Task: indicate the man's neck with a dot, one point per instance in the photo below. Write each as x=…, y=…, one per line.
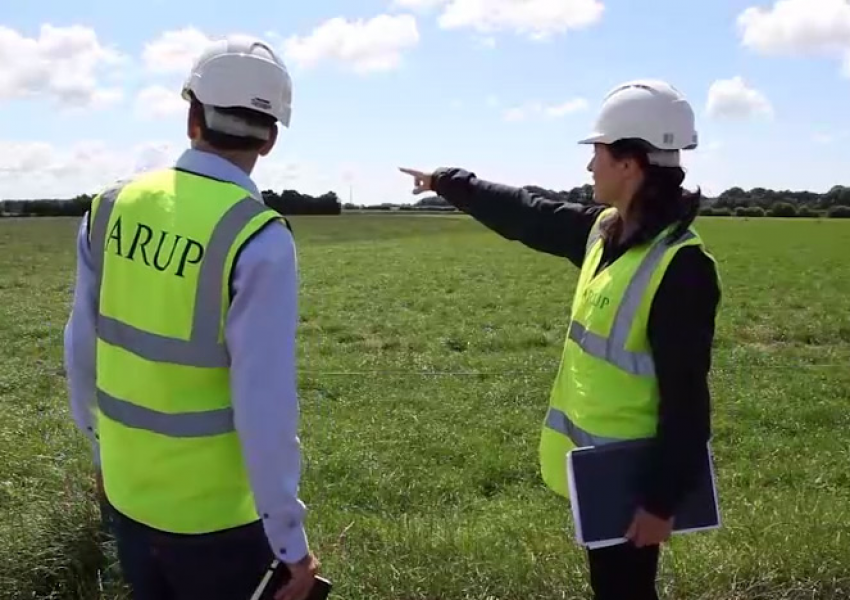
x=242, y=160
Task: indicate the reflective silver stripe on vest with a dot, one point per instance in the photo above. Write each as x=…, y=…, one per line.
x=97, y=234
x=560, y=422
x=187, y=424
x=613, y=348
x=203, y=348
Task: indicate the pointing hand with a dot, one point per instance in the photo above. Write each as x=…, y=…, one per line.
x=422, y=182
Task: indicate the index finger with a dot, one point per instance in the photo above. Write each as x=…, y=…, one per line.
x=412, y=172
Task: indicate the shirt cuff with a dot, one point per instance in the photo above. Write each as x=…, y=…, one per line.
x=288, y=539
x=95, y=450
x=94, y=440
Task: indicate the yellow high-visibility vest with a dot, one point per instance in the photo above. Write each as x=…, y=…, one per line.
x=164, y=246
x=606, y=389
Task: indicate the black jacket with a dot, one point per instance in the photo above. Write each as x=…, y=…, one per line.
x=681, y=321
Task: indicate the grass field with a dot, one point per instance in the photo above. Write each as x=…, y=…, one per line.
x=427, y=348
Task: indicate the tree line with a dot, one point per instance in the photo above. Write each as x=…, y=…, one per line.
x=288, y=202
x=757, y=202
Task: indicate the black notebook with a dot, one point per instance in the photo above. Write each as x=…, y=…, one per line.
x=603, y=482
x=278, y=574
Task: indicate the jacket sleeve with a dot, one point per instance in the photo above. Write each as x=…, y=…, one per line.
x=261, y=332
x=79, y=344
x=552, y=226
x=681, y=335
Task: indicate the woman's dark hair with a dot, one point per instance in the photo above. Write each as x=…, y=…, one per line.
x=661, y=200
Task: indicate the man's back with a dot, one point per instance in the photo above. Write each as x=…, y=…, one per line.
x=170, y=454
x=180, y=349
x=258, y=330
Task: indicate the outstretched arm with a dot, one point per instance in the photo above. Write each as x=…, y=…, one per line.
x=553, y=226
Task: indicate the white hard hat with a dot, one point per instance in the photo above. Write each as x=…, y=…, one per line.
x=242, y=72
x=650, y=110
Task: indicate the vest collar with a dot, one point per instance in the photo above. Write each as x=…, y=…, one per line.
x=210, y=165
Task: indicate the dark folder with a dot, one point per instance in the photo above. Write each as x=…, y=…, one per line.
x=604, y=482
x=278, y=574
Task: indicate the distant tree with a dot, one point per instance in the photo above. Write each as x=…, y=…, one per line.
x=782, y=209
x=749, y=211
x=839, y=212
x=291, y=202
x=432, y=201
x=806, y=212
x=838, y=195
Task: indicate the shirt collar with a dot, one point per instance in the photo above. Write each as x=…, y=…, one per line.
x=211, y=165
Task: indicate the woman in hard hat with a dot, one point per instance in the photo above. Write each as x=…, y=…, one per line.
x=638, y=352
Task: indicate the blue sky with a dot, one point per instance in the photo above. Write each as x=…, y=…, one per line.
x=90, y=89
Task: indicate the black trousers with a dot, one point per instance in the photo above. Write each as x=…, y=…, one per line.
x=624, y=572
x=226, y=565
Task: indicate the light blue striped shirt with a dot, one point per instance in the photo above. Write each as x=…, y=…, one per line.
x=260, y=333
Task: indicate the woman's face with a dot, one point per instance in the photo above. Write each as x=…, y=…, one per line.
x=614, y=181
x=610, y=176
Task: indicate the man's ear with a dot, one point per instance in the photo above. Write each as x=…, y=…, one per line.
x=267, y=147
x=193, y=125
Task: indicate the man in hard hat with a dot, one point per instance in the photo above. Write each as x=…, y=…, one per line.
x=638, y=351
x=187, y=290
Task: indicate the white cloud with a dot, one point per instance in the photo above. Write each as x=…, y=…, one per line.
x=732, y=98
x=174, y=51
x=830, y=137
x=365, y=46
x=63, y=64
x=279, y=174
x=799, y=27
x=418, y=5
x=101, y=98
x=535, y=108
x=537, y=19
x=158, y=101
x=41, y=170
x=521, y=113
x=569, y=107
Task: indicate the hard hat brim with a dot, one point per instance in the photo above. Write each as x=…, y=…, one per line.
x=596, y=138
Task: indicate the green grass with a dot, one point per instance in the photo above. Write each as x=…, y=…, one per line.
x=427, y=348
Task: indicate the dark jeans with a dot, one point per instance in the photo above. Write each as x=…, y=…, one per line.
x=226, y=565
x=624, y=572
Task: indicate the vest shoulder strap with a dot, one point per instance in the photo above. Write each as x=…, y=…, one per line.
x=111, y=191
x=596, y=231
